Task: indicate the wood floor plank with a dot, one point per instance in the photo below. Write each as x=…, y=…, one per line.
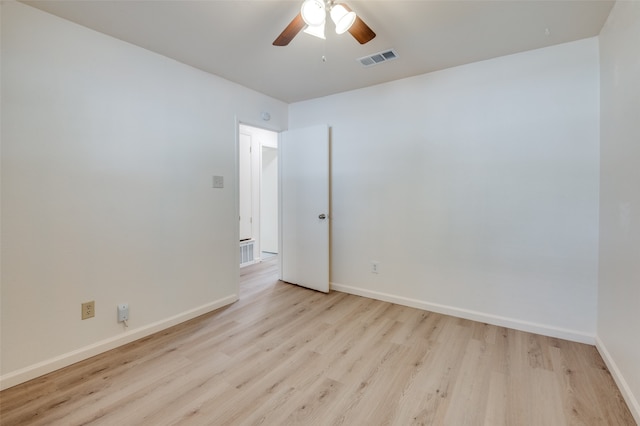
x=469, y=388
x=283, y=354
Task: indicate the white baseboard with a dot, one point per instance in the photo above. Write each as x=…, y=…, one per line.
x=543, y=329
x=630, y=399
x=47, y=366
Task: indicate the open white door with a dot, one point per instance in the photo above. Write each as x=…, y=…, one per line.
x=304, y=207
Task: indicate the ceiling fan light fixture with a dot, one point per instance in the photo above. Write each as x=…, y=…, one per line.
x=343, y=17
x=313, y=16
x=313, y=12
x=316, y=30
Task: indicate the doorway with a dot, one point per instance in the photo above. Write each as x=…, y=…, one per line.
x=258, y=194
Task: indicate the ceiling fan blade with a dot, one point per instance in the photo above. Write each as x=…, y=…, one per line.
x=291, y=31
x=361, y=31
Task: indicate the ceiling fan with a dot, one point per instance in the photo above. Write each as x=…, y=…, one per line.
x=312, y=18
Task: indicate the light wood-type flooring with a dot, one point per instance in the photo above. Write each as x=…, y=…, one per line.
x=284, y=355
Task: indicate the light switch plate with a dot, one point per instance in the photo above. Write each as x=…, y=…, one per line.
x=218, y=181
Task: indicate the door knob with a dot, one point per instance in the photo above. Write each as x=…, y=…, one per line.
x=322, y=216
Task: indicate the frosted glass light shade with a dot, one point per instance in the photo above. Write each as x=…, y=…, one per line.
x=313, y=12
x=342, y=17
x=316, y=30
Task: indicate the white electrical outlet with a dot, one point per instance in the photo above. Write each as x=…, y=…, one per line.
x=123, y=312
x=375, y=267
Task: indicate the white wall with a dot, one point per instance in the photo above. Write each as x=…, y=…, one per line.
x=476, y=188
x=619, y=284
x=108, y=153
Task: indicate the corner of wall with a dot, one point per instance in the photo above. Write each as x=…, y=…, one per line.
x=627, y=394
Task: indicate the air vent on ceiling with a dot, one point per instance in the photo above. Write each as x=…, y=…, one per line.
x=378, y=58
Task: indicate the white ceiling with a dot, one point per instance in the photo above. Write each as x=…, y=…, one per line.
x=232, y=38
